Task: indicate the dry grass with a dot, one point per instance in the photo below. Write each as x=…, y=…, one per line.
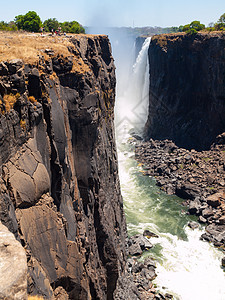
x=35, y=298
x=79, y=66
x=23, y=124
x=10, y=100
x=29, y=46
x=32, y=99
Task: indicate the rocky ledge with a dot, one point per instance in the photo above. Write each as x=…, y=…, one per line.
x=197, y=177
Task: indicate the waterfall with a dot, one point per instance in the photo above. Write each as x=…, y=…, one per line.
x=188, y=268
x=132, y=104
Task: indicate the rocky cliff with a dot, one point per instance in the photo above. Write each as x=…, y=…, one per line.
x=60, y=192
x=187, y=89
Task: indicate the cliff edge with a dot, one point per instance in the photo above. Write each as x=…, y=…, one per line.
x=187, y=89
x=59, y=189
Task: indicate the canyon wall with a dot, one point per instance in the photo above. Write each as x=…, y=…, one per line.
x=187, y=89
x=59, y=190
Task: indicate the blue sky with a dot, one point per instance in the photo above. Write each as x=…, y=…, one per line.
x=119, y=12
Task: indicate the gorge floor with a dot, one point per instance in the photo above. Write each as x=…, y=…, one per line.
x=180, y=255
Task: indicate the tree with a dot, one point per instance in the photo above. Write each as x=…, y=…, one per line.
x=211, y=25
x=194, y=27
x=50, y=24
x=29, y=22
x=72, y=27
x=197, y=25
x=19, y=21
x=222, y=19
x=220, y=25
x=186, y=27
x=180, y=28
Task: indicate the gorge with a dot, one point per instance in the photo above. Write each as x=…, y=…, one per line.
x=187, y=107
x=60, y=183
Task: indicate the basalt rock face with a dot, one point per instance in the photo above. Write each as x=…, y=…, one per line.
x=60, y=192
x=187, y=89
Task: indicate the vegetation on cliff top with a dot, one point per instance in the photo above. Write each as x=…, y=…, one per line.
x=31, y=22
x=191, y=28
x=196, y=26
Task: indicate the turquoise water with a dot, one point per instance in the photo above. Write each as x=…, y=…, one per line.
x=187, y=267
x=146, y=206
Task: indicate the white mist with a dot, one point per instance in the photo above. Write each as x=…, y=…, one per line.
x=132, y=104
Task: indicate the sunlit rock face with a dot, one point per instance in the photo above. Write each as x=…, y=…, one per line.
x=60, y=192
x=13, y=267
x=187, y=90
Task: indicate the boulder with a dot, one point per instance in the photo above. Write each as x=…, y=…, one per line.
x=223, y=262
x=188, y=191
x=220, y=139
x=214, y=200
x=149, y=273
x=149, y=234
x=207, y=212
x=222, y=220
x=149, y=263
x=60, y=294
x=193, y=225
x=202, y=219
x=3, y=69
x=193, y=207
x=137, y=244
x=13, y=267
x=14, y=65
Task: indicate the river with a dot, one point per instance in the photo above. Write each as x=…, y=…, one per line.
x=187, y=267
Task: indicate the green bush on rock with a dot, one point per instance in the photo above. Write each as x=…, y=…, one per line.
x=193, y=27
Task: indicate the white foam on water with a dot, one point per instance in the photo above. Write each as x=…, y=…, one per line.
x=191, y=269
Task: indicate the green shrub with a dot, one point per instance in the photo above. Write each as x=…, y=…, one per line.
x=197, y=25
x=72, y=27
x=50, y=24
x=11, y=26
x=220, y=26
x=186, y=27
x=193, y=27
x=29, y=22
x=222, y=19
x=191, y=31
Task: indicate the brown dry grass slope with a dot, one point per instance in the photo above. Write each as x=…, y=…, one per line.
x=30, y=46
